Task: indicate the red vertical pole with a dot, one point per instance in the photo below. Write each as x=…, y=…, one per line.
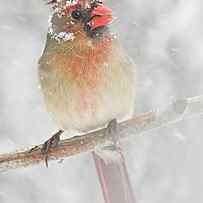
x=114, y=179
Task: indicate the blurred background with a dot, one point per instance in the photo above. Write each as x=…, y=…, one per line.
x=165, y=39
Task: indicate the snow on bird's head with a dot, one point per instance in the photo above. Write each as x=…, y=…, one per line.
x=65, y=6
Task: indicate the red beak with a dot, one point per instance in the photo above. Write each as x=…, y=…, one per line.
x=101, y=16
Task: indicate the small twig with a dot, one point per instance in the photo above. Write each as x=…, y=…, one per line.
x=172, y=113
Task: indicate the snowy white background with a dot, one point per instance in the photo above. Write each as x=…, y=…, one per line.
x=165, y=38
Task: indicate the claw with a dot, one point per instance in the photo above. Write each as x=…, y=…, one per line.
x=111, y=131
x=33, y=149
x=50, y=143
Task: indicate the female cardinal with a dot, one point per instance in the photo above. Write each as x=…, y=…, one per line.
x=86, y=77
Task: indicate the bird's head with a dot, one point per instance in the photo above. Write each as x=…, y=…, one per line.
x=79, y=17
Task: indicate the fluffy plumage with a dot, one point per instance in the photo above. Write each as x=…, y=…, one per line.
x=87, y=80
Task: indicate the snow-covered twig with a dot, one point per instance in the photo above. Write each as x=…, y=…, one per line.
x=174, y=112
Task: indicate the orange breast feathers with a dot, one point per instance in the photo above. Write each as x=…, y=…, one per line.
x=82, y=73
x=88, y=84
x=85, y=67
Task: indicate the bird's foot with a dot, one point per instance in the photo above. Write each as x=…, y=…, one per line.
x=50, y=143
x=33, y=149
x=111, y=132
x=110, y=151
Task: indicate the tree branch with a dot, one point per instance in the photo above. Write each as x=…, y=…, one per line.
x=174, y=112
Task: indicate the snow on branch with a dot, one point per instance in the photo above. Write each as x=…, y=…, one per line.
x=171, y=113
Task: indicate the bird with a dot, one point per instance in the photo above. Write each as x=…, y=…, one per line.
x=87, y=78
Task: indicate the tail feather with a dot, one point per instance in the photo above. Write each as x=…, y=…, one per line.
x=114, y=178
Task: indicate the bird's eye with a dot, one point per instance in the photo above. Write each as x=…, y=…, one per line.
x=77, y=14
